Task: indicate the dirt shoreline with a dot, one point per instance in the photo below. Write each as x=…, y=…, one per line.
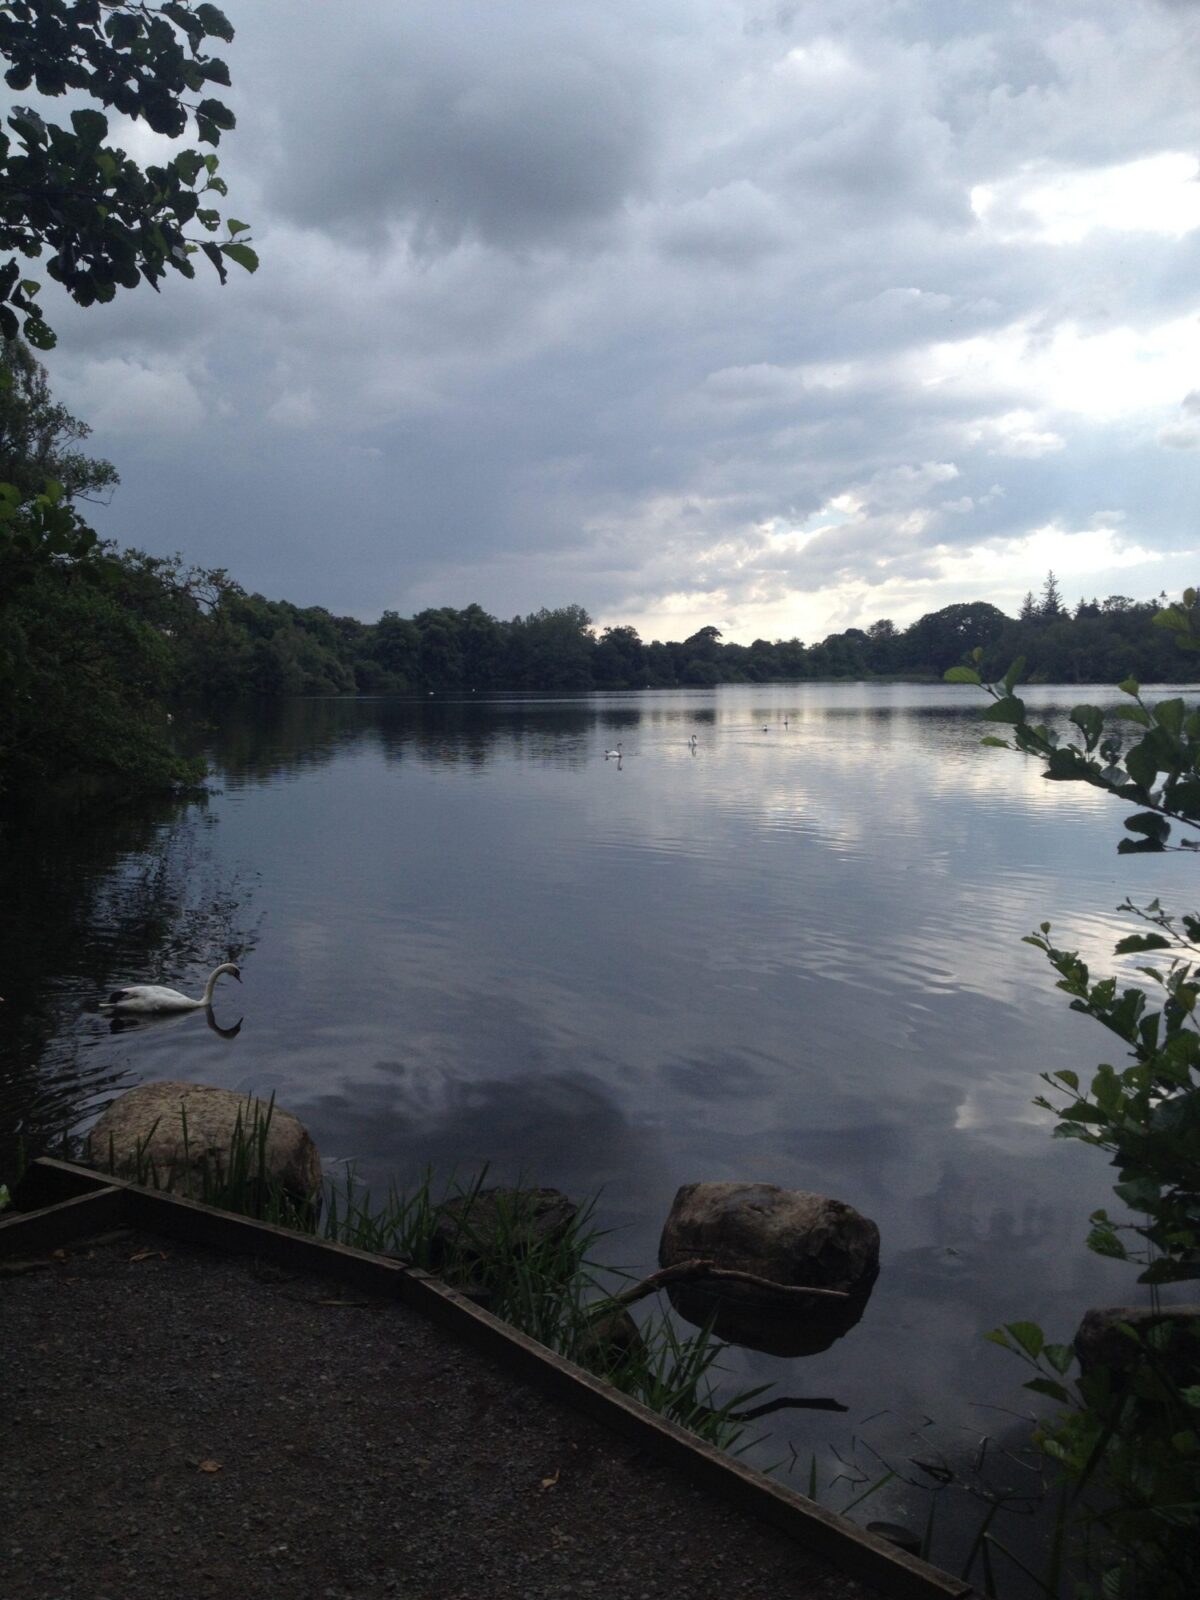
x=180, y=1422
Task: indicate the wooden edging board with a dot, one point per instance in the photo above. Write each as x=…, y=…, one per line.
x=95, y=1203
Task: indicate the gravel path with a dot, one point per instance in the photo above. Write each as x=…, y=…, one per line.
x=178, y=1422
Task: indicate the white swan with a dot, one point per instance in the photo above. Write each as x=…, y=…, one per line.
x=153, y=997
x=610, y=755
x=692, y=741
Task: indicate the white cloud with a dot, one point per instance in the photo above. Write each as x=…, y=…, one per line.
x=778, y=317
x=1158, y=194
x=128, y=398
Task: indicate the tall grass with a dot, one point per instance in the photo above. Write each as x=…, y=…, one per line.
x=546, y=1283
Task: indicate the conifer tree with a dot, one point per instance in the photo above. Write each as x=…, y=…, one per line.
x=1051, y=608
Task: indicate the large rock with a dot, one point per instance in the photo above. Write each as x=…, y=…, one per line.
x=1101, y=1342
x=141, y=1136
x=498, y=1223
x=786, y=1236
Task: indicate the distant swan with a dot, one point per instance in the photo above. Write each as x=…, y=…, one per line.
x=153, y=997
x=692, y=741
x=613, y=754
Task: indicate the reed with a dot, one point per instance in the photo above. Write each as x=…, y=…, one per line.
x=546, y=1284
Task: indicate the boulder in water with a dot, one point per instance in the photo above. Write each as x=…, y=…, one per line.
x=788, y=1239
x=175, y=1136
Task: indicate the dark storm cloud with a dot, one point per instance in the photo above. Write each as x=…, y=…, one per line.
x=456, y=120
x=624, y=305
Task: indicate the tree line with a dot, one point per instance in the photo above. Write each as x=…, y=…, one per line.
x=97, y=642
x=229, y=642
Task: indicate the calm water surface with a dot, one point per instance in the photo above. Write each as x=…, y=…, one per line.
x=793, y=956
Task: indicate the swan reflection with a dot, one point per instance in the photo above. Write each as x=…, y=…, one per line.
x=129, y=1022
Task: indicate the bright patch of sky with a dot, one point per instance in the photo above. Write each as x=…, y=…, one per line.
x=780, y=317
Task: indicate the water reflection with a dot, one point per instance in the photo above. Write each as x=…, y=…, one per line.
x=130, y=1022
x=91, y=900
x=792, y=957
x=743, y=1320
x=568, y=1124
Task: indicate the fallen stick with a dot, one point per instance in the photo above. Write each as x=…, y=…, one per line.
x=691, y=1271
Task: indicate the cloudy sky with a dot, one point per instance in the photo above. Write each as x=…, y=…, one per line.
x=782, y=315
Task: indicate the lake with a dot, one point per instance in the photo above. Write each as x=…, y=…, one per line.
x=792, y=955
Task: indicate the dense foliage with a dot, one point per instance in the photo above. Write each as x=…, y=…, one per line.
x=1127, y=1441
x=86, y=653
x=101, y=221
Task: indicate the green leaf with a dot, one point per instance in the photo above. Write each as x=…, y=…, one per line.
x=90, y=126
x=1166, y=1270
x=1169, y=714
x=951, y=674
x=235, y=226
x=997, y=744
x=1130, y=686
x=1082, y=1112
x=1007, y=709
x=29, y=125
x=215, y=23
x=1013, y=674
x=1142, y=941
x=1028, y=1335
x=1141, y=763
x=187, y=164
x=1150, y=824
x=1048, y=1386
x=1139, y=1194
x=1184, y=798
x=213, y=252
x=1060, y=1356
x=1104, y=1242
x=1134, y=714
x=216, y=113
x=1090, y=721
x=242, y=254
x=1068, y=766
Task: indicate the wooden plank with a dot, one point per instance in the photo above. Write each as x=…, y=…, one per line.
x=225, y=1230
x=47, y=1181
x=838, y=1540
x=32, y=1233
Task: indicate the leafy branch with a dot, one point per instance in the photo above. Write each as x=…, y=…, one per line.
x=105, y=222
x=1159, y=772
x=1129, y=1429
